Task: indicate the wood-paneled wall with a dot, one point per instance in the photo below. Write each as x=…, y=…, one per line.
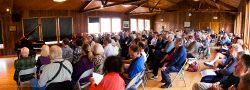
x=199, y=21
x=80, y=23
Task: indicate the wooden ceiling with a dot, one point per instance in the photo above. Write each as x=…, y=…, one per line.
x=137, y=6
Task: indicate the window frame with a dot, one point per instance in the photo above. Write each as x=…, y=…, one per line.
x=99, y=31
x=1, y=20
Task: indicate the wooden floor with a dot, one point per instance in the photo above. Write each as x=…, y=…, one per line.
x=7, y=82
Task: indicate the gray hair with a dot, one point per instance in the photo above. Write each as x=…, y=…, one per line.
x=25, y=52
x=55, y=52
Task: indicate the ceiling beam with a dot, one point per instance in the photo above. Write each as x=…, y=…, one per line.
x=85, y=5
x=225, y=5
x=171, y=1
x=150, y=10
x=135, y=7
x=113, y=4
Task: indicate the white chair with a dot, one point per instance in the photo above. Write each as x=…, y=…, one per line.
x=135, y=82
x=85, y=74
x=25, y=72
x=180, y=73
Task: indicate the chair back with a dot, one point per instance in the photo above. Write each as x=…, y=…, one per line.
x=86, y=74
x=27, y=71
x=134, y=81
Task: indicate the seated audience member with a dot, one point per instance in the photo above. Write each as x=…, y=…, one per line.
x=91, y=42
x=169, y=43
x=228, y=67
x=108, y=48
x=56, y=75
x=226, y=58
x=77, y=51
x=193, y=48
x=67, y=52
x=137, y=64
x=142, y=47
x=44, y=59
x=244, y=83
x=116, y=48
x=241, y=69
x=112, y=80
x=98, y=58
x=85, y=63
x=24, y=62
x=225, y=40
x=175, y=64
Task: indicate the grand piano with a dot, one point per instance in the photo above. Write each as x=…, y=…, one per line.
x=33, y=45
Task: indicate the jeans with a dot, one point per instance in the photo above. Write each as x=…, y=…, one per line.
x=35, y=86
x=165, y=74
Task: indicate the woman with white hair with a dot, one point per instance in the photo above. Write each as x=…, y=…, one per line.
x=24, y=62
x=56, y=75
x=98, y=58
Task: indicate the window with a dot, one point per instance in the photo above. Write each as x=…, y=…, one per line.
x=140, y=24
x=147, y=24
x=133, y=26
x=49, y=29
x=65, y=24
x=105, y=25
x=116, y=24
x=30, y=25
x=1, y=35
x=93, y=25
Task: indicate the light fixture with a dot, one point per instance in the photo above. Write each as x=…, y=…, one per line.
x=126, y=5
x=8, y=9
x=101, y=7
x=196, y=0
x=215, y=17
x=59, y=0
x=189, y=14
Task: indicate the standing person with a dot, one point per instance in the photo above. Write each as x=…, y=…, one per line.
x=67, y=52
x=112, y=80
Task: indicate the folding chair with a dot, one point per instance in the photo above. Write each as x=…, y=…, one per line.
x=146, y=72
x=25, y=72
x=179, y=73
x=85, y=74
x=136, y=82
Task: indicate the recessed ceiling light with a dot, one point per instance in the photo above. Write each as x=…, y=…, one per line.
x=8, y=9
x=126, y=5
x=59, y=0
x=196, y=0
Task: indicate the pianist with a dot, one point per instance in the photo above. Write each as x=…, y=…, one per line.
x=25, y=62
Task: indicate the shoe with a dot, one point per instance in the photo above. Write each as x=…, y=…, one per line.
x=167, y=85
x=154, y=77
x=209, y=64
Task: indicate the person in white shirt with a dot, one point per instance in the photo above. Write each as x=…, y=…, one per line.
x=108, y=48
x=154, y=40
x=59, y=71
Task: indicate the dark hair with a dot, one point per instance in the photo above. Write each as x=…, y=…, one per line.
x=79, y=42
x=113, y=64
x=245, y=58
x=134, y=48
x=65, y=41
x=141, y=45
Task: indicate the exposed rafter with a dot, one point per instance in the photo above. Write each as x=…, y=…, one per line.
x=150, y=10
x=114, y=4
x=225, y=5
x=135, y=7
x=85, y=5
x=171, y=1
